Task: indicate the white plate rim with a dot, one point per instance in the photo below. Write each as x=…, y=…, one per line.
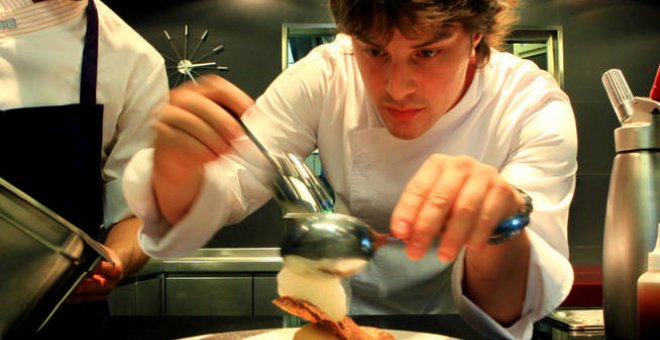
x=287, y=333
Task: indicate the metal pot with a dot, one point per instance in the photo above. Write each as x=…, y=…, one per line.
x=42, y=258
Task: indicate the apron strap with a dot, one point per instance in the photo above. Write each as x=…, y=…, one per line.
x=90, y=57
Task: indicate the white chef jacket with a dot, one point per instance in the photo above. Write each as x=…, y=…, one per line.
x=40, y=64
x=513, y=117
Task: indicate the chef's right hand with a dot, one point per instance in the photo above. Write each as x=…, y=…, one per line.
x=194, y=128
x=460, y=199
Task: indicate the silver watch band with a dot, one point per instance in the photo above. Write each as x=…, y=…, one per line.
x=513, y=225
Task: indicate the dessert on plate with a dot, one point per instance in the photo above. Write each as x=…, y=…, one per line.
x=321, y=300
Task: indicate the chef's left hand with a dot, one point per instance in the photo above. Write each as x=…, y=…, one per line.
x=100, y=282
x=455, y=197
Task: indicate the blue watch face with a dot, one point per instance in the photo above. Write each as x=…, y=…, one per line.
x=514, y=224
x=185, y=63
x=508, y=228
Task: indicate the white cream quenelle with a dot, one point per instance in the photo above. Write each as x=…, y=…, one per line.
x=326, y=293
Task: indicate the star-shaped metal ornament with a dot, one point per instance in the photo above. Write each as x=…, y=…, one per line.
x=187, y=66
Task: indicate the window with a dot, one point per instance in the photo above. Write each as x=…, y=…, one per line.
x=542, y=45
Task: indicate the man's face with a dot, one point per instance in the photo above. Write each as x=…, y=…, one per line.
x=414, y=82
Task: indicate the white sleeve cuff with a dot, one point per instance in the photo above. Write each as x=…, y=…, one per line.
x=157, y=237
x=114, y=203
x=233, y=187
x=549, y=281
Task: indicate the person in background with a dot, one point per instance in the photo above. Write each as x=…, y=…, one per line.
x=424, y=130
x=77, y=87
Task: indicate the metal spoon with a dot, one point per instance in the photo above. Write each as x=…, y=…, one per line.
x=295, y=187
x=338, y=236
x=320, y=234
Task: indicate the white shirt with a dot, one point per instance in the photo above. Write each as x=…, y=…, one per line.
x=513, y=117
x=41, y=48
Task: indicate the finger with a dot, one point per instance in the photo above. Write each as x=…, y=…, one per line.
x=96, y=284
x=86, y=298
x=107, y=269
x=412, y=198
x=440, y=199
x=439, y=202
x=196, y=101
x=178, y=157
x=92, y=284
x=225, y=93
x=496, y=207
x=193, y=125
x=465, y=211
x=171, y=138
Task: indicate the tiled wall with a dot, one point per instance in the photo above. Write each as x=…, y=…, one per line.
x=598, y=35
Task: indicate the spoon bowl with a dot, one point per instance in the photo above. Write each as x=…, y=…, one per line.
x=331, y=235
x=328, y=244
x=339, y=244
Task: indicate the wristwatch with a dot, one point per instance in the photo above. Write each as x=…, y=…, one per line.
x=513, y=225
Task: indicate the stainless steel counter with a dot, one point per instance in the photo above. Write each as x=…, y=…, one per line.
x=218, y=260
x=206, y=282
x=231, y=289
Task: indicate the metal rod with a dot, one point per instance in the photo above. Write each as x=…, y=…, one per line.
x=199, y=43
x=190, y=75
x=216, y=50
x=169, y=58
x=169, y=39
x=212, y=63
x=178, y=80
x=185, y=42
x=219, y=68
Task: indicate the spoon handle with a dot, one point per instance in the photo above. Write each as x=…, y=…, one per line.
x=296, y=187
x=504, y=231
x=254, y=139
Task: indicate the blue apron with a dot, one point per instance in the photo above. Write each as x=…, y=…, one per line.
x=53, y=154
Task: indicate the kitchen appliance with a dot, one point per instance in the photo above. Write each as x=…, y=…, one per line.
x=42, y=258
x=633, y=204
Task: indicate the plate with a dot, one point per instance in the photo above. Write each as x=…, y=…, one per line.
x=287, y=334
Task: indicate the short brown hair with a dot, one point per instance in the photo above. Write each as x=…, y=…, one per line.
x=376, y=18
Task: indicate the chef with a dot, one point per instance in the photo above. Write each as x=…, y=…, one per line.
x=77, y=87
x=424, y=130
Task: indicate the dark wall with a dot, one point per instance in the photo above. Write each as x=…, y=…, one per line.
x=250, y=30
x=597, y=35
